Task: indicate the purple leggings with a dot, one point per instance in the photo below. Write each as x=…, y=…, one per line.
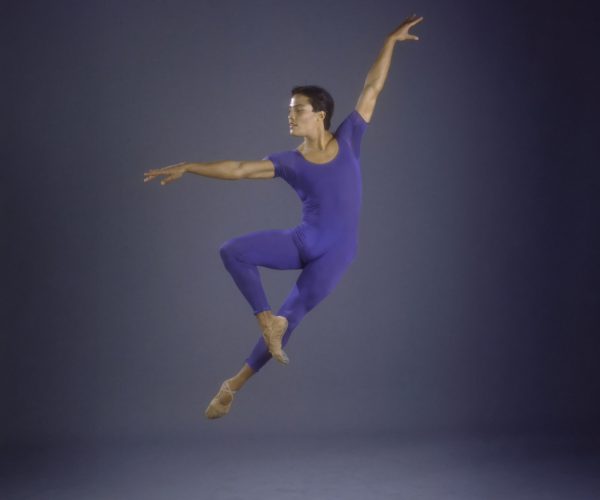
x=277, y=249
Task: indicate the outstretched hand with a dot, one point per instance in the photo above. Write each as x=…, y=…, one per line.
x=172, y=173
x=401, y=32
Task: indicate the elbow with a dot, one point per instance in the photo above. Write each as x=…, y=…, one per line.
x=376, y=89
x=373, y=89
x=239, y=172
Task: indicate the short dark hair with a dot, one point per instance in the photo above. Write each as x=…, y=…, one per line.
x=320, y=100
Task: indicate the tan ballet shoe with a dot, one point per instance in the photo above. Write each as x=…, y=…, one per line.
x=216, y=409
x=273, y=336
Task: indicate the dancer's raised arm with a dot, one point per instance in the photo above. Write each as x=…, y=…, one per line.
x=378, y=73
x=227, y=170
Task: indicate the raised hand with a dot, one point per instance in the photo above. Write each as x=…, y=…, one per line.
x=171, y=173
x=401, y=32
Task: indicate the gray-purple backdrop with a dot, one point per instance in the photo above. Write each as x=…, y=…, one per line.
x=473, y=304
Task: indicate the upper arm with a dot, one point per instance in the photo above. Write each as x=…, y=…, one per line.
x=259, y=169
x=366, y=102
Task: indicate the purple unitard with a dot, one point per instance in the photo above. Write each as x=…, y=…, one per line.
x=323, y=245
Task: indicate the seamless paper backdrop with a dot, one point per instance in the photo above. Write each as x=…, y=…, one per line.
x=473, y=304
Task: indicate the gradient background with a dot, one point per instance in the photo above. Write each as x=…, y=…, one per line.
x=473, y=306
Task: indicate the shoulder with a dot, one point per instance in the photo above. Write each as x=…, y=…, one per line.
x=283, y=162
x=352, y=127
x=352, y=121
x=351, y=131
x=356, y=118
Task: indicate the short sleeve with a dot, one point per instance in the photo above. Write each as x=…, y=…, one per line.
x=283, y=165
x=352, y=130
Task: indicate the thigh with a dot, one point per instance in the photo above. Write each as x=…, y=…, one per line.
x=273, y=248
x=320, y=276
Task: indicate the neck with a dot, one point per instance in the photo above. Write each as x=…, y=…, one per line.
x=317, y=141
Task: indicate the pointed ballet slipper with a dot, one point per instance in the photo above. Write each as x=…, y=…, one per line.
x=216, y=409
x=273, y=336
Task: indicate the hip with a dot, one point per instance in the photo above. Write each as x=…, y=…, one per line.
x=313, y=241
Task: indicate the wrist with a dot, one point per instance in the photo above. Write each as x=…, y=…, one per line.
x=390, y=40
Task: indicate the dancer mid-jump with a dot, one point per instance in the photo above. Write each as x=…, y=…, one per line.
x=325, y=173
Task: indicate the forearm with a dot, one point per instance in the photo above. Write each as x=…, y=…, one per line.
x=226, y=170
x=378, y=73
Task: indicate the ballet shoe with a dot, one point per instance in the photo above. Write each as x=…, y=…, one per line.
x=273, y=337
x=216, y=409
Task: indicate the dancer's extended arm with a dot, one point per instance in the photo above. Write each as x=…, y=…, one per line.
x=229, y=170
x=378, y=73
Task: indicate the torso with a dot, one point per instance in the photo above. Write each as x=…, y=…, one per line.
x=328, y=183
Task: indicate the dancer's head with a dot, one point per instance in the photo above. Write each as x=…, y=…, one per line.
x=311, y=107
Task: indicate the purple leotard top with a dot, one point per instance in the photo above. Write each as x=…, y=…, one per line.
x=331, y=193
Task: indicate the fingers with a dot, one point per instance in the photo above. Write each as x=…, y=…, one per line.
x=159, y=171
x=155, y=172
x=169, y=179
x=166, y=180
x=414, y=20
x=148, y=176
x=408, y=23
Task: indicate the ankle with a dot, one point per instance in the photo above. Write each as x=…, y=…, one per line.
x=264, y=318
x=235, y=384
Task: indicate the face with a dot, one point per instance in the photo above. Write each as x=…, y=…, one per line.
x=301, y=117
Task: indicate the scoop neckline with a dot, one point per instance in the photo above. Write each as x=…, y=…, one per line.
x=327, y=162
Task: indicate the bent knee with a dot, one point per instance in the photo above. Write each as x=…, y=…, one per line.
x=227, y=250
